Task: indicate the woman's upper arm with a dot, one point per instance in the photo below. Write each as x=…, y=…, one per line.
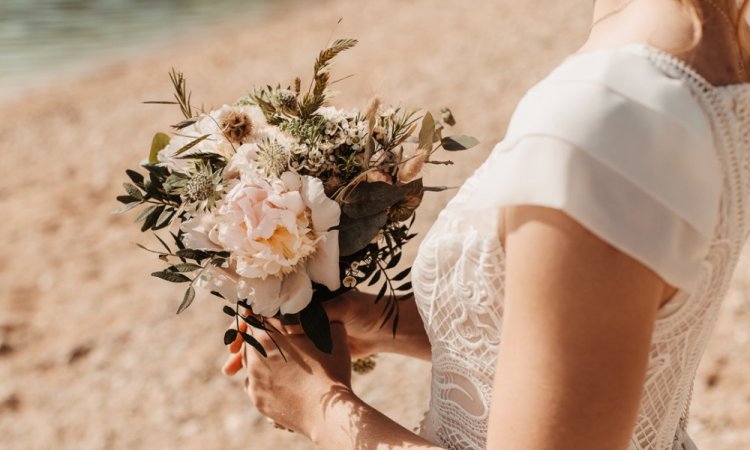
x=576, y=335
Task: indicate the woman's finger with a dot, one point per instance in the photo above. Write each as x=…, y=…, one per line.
x=235, y=345
x=233, y=364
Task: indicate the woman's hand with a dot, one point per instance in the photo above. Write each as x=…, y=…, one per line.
x=363, y=318
x=292, y=392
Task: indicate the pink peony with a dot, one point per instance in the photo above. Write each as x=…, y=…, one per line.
x=277, y=230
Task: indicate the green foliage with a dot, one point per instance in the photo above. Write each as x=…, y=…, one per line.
x=460, y=142
x=158, y=142
x=316, y=326
x=187, y=299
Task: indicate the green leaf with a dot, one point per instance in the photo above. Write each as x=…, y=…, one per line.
x=401, y=275
x=151, y=218
x=228, y=310
x=229, y=336
x=133, y=191
x=185, y=267
x=315, y=323
x=355, y=234
x=127, y=207
x=187, y=299
x=394, y=260
x=252, y=341
x=145, y=213
x=173, y=277
x=165, y=218
x=135, y=177
x=395, y=325
x=391, y=310
x=253, y=322
x=126, y=199
x=404, y=287
x=158, y=143
x=375, y=278
x=189, y=253
x=216, y=293
x=381, y=293
x=460, y=142
x=185, y=123
x=427, y=132
x=163, y=243
x=191, y=144
x=367, y=199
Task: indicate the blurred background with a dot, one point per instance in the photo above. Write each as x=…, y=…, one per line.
x=91, y=353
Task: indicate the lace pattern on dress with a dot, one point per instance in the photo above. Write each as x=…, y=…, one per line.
x=458, y=282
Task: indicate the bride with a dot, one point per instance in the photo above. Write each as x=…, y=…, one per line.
x=566, y=293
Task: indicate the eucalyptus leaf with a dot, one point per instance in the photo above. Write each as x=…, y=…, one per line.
x=367, y=199
x=187, y=299
x=158, y=143
x=316, y=326
x=460, y=142
x=355, y=234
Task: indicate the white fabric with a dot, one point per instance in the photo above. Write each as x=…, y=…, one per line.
x=641, y=150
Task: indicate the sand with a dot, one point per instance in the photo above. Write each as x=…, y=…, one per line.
x=91, y=353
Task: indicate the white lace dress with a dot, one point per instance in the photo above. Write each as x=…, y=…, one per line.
x=638, y=147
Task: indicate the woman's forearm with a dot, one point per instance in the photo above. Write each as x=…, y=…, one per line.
x=411, y=337
x=349, y=422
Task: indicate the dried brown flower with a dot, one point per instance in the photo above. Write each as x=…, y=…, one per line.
x=236, y=125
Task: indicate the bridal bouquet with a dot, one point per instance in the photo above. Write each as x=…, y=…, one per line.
x=280, y=202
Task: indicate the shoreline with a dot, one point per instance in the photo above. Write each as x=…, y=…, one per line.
x=86, y=65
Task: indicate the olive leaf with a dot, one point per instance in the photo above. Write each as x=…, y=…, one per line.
x=187, y=299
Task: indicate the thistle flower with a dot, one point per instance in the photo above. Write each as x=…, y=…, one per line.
x=236, y=125
x=285, y=100
x=200, y=190
x=272, y=157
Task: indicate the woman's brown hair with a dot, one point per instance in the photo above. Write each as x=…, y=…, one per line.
x=738, y=16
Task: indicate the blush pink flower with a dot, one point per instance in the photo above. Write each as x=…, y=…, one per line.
x=278, y=233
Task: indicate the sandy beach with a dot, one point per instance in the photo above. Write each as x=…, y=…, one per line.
x=92, y=355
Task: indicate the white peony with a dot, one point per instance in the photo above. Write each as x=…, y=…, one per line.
x=277, y=230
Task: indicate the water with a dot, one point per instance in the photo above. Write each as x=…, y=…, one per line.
x=42, y=37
